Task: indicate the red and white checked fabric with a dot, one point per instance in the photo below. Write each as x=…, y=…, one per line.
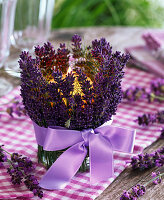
x=18, y=136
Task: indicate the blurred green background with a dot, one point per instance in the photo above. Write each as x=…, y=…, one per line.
x=75, y=13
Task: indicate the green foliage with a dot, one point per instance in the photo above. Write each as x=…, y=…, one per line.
x=75, y=13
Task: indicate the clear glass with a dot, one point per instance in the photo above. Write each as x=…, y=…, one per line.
x=31, y=27
x=7, y=13
x=32, y=22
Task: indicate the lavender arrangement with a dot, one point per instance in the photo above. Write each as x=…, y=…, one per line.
x=76, y=88
x=20, y=169
x=143, y=162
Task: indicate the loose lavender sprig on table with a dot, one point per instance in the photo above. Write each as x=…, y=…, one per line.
x=139, y=190
x=147, y=119
x=14, y=108
x=154, y=93
x=142, y=162
x=20, y=169
x=146, y=161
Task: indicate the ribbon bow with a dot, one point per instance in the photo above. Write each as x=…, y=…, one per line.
x=101, y=141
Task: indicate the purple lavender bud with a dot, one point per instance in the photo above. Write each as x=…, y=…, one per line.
x=147, y=119
x=16, y=107
x=138, y=190
x=16, y=175
x=142, y=162
x=33, y=185
x=126, y=196
x=160, y=161
x=157, y=176
x=134, y=93
x=157, y=87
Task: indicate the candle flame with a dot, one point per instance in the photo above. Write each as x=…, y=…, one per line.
x=69, y=70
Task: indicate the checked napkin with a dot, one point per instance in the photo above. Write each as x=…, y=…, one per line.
x=151, y=55
x=18, y=136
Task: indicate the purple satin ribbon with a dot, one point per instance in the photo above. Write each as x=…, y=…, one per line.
x=102, y=141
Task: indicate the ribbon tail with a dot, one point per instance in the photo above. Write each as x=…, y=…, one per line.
x=64, y=168
x=101, y=158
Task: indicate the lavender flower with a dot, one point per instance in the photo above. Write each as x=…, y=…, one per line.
x=20, y=169
x=50, y=94
x=137, y=191
x=156, y=175
x=157, y=87
x=46, y=65
x=142, y=162
x=33, y=185
x=16, y=107
x=134, y=93
x=146, y=161
x=155, y=92
x=23, y=163
x=76, y=43
x=62, y=59
x=16, y=174
x=147, y=119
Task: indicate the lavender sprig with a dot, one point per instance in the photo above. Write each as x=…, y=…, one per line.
x=147, y=119
x=157, y=177
x=146, y=161
x=33, y=185
x=20, y=169
x=139, y=190
x=142, y=162
x=134, y=93
x=14, y=108
x=155, y=92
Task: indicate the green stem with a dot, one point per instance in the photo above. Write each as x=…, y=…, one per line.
x=159, y=176
x=157, y=97
x=6, y=151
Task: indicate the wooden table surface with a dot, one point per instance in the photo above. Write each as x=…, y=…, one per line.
x=119, y=38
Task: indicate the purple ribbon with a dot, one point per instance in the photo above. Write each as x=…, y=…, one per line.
x=102, y=141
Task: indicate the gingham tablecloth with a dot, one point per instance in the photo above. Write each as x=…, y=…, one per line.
x=18, y=136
